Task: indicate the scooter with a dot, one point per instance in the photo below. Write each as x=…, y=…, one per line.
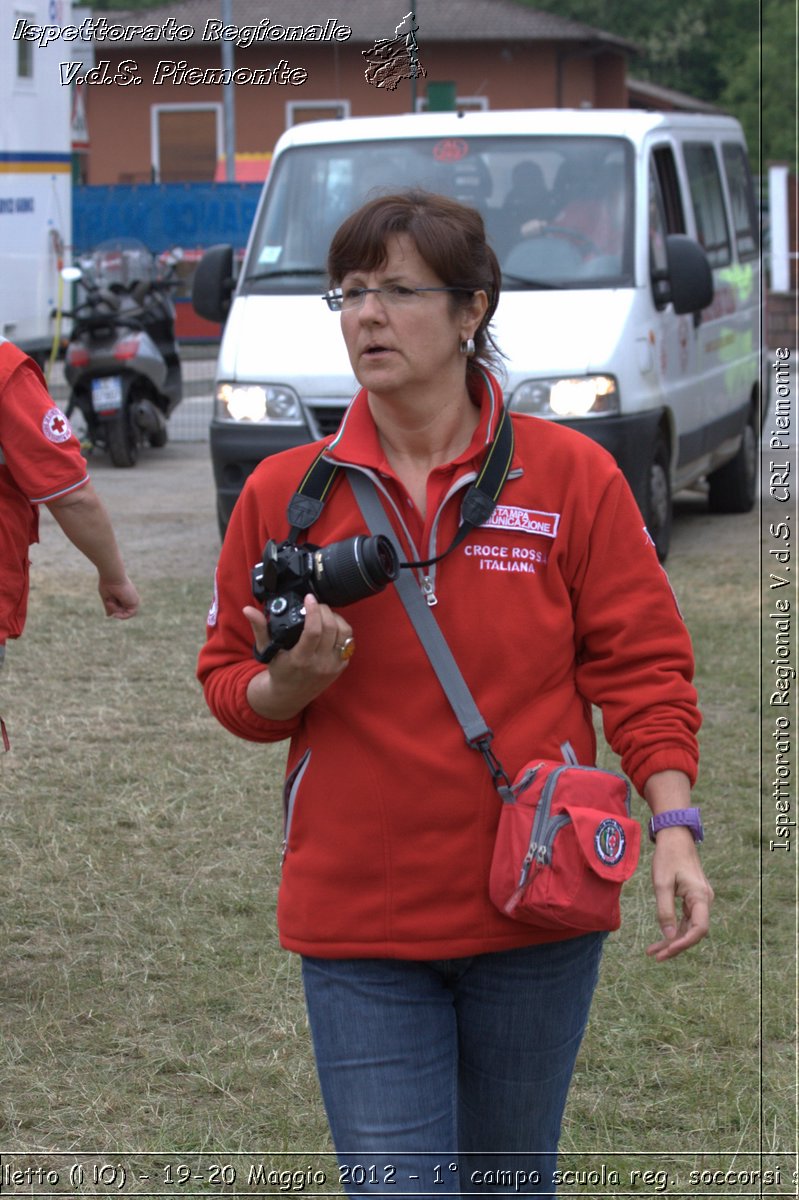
x=122, y=363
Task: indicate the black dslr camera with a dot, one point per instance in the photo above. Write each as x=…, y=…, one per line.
x=338, y=574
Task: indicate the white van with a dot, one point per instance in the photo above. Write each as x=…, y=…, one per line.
x=631, y=286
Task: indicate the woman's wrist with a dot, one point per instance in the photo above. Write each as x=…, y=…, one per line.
x=667, y=790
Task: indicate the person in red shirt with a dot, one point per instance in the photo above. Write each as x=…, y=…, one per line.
x=440, y=1025
x=592, y=214
x=41, y=463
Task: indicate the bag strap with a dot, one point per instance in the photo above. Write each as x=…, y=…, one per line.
x=479, y=502
x=477, y=733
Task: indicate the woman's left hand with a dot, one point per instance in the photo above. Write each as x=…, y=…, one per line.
x=297, y=676
x=677, y=875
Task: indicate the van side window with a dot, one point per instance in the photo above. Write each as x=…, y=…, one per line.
x=658, y=262
x=669, y=188
x=707, y=197
x=742, y=200
x=665, y=216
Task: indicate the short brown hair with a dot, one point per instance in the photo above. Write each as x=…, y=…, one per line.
x=449, y=236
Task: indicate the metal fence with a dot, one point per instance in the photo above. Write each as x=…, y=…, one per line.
x=189, y=422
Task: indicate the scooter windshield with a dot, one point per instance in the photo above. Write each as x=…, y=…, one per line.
x=121, y=261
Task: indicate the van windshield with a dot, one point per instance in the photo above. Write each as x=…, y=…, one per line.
x=558, y=210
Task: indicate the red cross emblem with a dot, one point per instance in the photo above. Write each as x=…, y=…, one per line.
x=55, y=426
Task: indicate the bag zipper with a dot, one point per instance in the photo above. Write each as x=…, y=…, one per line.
x=539, y=849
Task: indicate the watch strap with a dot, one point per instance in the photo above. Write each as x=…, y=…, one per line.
x=689, y=818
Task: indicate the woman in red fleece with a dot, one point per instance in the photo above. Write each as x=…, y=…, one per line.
x=440, y=1025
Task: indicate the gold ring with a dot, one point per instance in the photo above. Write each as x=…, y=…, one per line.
x=346, y=649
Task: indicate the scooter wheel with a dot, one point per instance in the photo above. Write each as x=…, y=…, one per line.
x=121, y=442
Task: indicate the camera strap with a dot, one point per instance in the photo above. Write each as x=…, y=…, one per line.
x=305, y=506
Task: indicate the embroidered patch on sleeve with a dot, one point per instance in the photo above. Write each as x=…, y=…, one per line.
x=55, y=426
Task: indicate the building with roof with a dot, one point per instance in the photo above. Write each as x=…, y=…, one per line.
x=155, y=80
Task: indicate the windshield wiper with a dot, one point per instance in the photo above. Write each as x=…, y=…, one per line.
x=523, y=281
x=286, y=271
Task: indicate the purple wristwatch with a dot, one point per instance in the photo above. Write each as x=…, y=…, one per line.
x=689, y=817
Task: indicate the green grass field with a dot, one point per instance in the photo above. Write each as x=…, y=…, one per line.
x=146, y=1004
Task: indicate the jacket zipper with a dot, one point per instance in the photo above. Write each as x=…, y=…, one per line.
x=426, y=577
x=292, y=787
x=427, y=581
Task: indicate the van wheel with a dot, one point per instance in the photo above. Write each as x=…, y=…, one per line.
x=657, y=509
x=733, y=488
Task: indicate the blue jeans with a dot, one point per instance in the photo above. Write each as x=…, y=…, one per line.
x=452, y=1074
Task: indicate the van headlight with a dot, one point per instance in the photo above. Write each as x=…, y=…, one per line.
x=258, y=402
x=574, y=396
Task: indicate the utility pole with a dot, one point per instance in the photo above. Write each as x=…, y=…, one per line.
x=229, y=99
x=414, y=58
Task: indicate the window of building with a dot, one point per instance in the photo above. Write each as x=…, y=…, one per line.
x=707, y=197
x=299, y=111
x=462, y=103
x=186, y=142
x=24, y=49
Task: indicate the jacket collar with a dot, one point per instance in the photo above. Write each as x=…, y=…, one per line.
x=357, y=442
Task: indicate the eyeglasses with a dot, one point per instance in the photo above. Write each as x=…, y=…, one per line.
x=393, y=294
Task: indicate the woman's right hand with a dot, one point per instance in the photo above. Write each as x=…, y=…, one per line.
x=296, y=677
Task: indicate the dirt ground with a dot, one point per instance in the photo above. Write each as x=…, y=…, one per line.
x=163, y=510
x=164, y=513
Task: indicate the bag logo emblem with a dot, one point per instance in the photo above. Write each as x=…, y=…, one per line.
x=610, y=842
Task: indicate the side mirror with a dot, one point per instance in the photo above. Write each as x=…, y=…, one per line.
x=690, y=279
x=213, y=283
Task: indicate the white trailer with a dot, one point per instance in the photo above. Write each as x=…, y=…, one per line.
x=35, y=174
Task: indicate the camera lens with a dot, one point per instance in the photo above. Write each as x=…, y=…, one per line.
x=354, y=569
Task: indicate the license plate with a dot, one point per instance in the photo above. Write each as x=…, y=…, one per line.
x=107, y=394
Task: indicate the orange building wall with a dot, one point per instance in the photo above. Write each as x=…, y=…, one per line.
x=522, y=75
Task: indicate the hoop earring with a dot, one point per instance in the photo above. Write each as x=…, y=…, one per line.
x=467, y=347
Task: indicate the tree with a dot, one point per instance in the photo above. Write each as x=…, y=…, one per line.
x=712, y=50
x=760, y=87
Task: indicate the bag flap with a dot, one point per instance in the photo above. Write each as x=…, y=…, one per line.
x=610, y=844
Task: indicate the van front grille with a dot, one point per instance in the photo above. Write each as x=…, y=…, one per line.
x=326, y=417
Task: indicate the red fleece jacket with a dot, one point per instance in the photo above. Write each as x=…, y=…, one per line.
x=40, y=460
x=558, y=604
